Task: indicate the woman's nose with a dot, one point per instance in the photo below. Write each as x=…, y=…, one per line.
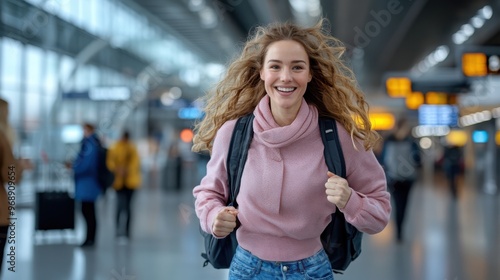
x=285, y=76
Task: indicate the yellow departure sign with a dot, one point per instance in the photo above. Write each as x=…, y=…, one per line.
x=398, y=86
x=474, y=64
x=414, y=100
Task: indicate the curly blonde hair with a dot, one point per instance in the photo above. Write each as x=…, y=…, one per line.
x=333, y=89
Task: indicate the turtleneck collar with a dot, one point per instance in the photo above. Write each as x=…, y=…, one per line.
x=272, y=135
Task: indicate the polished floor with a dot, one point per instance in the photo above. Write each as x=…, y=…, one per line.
x=445, y=239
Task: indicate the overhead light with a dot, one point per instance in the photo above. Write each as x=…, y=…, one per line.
x=299, y=5
x=208, y=17
x=190, y=77
x=214, y=70
x=175, y=93
x=431, y=60
x=314, y=9
x=459, y=38
x=494, y=63
x=166, y=100
x=196, y=5
x=422, y=67
x=425, y=143
x=477, y=21
x=467, y=29
x=306, y=12
x=486, y=12
x=441, y=53
x=437, y=56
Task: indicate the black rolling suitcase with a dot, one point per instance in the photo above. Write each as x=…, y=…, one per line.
x=55, y=210
x=54, y=203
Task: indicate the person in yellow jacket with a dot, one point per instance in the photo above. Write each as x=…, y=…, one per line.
x=123, y=160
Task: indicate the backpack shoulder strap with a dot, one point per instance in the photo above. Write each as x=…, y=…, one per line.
x=237, y=154
x=334, y=156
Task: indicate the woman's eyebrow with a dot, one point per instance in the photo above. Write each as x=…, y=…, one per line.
x=279, y=61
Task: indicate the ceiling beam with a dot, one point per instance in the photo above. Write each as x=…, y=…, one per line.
x=397, y=37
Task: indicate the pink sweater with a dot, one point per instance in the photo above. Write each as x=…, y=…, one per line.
x=283, y=207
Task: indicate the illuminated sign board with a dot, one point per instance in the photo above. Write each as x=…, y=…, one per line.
x=109, y=93
x=479, y=136
x=438, y=115
x=480, y=61
x=190, y=113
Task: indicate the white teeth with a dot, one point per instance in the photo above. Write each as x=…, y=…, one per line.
x=285, y=89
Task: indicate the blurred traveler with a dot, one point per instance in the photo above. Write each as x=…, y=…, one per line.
x=452, y=160
x=87, y=188
x=123, y=160
x=5, y=127
x=175, y=156
x=288, y=77
x=401, y=159
x=10, y=175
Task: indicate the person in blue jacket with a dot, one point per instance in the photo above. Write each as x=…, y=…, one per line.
x=87, y=190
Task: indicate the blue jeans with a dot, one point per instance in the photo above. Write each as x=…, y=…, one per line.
x=247, y=266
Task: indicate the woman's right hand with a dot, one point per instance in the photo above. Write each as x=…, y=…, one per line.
x=225, y=222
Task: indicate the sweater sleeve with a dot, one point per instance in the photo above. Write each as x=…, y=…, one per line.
x=369, y=207
x=213, y=191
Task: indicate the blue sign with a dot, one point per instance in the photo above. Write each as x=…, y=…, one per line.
x=190, y=113
x=479, y=136
x=76, y=95
x=438, y=115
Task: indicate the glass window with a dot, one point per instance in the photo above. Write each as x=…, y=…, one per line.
x=66, y=66
x=34, y=63
x=11, y=62
x=82, y=11
x=64, y=9
x=93, y=79
x=35, y=2
x=103, y=19
x=51, y=81
x=93, y=16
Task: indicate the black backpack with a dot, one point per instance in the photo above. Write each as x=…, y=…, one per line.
x=341, y=240
x=104, y=176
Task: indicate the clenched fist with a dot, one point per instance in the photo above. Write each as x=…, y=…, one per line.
x=337, y=190
x=225, y=221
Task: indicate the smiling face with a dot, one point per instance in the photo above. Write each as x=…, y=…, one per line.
x=285, y=73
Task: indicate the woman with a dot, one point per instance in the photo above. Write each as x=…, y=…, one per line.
x=87, y=189
x=123, y=160
x=288, y=77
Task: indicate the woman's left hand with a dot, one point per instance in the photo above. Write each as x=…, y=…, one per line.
x=337, y=190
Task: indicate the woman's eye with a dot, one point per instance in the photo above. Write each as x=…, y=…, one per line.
x=274, y=67
x=298, y=67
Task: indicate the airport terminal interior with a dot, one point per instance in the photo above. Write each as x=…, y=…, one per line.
x=144, y=66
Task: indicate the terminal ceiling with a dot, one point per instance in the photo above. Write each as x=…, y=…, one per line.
x=380, y=35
